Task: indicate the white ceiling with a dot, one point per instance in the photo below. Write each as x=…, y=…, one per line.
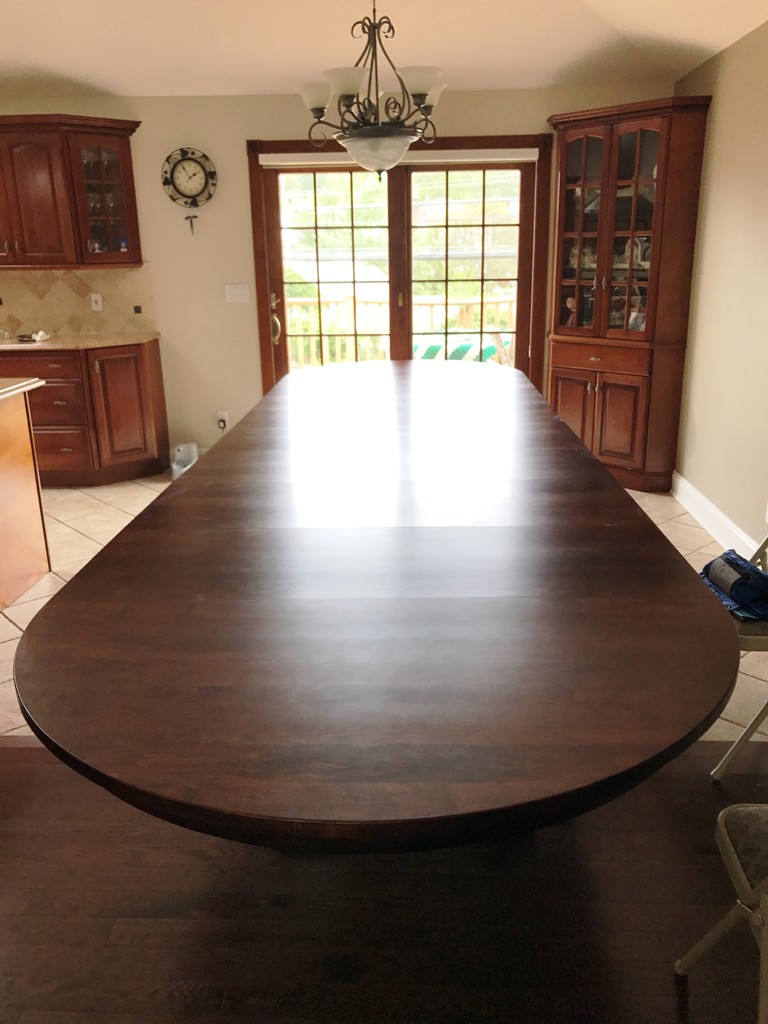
x=246, y=47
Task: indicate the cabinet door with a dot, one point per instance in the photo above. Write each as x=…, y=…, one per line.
x=7, y=248
x=620, y=419
x=122, y=412
x=105, y=198
x=36, y=187
x=633, y=226
x=582, y=163
x=572, y=396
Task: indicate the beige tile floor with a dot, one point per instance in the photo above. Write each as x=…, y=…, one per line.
x=80, y=522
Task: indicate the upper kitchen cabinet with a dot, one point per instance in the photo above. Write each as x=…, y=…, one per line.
x=66, y=192
x=36, y=226
x=628, y=193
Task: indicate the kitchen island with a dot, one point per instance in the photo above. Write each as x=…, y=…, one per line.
x=101, y=416
x=23, y=548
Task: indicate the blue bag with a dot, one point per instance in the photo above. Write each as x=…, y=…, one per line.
x=740, y=585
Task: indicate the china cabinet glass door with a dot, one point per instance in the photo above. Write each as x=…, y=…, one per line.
x=633, y=204
x=582, y=185
x=106, y=207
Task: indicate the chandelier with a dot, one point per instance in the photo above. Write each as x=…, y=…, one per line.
x=375, y=128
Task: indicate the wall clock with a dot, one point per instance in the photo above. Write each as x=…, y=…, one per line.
x=189, y=177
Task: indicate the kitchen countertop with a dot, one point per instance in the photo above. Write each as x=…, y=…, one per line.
x=10, y=386
x=77, y=341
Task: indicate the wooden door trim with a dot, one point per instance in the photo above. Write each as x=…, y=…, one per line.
x=259, y=230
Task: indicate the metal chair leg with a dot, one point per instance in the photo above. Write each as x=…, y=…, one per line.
x=719, y=770
x=762, y=1010
x=734, y=915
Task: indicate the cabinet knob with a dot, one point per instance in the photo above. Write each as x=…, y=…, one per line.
x=594, y=359
x=65, y=450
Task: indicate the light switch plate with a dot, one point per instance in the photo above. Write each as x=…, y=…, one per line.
x=237, y=293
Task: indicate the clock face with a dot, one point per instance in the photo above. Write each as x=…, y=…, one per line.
x=189, y=177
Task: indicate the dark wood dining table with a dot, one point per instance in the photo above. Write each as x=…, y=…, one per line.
x=399, y=605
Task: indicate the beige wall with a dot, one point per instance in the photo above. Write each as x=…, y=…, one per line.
x=723, y=449
x=210, y=348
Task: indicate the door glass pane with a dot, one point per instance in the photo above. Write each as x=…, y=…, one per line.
x=335, y=247
x=618, y=310
x=499, y=305
x=591, y=209
x=573, y=209
x=649, y=153
x=297, y=200
x=627, y=155
x=638, y=304
x=465, y=248
x=107, y=226
x=646, y=201
x=573, y=157
x=465, y=275
x=465, y=196
x=428, y=190
x=594, y=166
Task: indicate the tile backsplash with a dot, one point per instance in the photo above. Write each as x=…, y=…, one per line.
x=59, y=301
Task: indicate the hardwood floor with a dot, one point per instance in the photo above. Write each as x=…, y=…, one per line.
x=109, y=916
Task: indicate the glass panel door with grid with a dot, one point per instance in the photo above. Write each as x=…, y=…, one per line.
x=423, y=264
x=335, y=266
x=465, y=263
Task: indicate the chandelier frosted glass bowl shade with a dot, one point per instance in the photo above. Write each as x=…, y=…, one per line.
x=377, y=152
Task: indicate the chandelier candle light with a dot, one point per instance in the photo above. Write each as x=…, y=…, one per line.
x=376, y=129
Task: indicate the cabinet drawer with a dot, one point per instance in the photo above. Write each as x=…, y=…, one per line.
x=63, y=449
x=58, y=404
x=46, y=365
x=601, y=357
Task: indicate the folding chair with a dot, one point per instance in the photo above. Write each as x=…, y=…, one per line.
x=742, y=839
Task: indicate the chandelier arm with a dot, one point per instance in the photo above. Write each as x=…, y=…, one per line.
x=318, y=137
x=386, y=30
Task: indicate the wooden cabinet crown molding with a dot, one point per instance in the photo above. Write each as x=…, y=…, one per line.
x=630, y=111
x=64, y=122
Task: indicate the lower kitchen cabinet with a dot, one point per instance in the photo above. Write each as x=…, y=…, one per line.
x=101, y=416
x=606, y=408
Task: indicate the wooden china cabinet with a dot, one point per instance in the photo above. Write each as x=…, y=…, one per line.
x=628, y=195
x=66, y=192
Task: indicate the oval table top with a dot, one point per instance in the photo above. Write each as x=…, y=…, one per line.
x=398, y=605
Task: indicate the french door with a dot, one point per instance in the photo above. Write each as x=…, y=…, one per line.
x=432, y=263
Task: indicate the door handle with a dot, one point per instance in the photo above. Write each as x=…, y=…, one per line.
x=275, y=328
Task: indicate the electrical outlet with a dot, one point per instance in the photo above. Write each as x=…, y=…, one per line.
x=222, y=420
x=96, y=304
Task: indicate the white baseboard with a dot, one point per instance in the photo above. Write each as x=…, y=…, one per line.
x=723, y=529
